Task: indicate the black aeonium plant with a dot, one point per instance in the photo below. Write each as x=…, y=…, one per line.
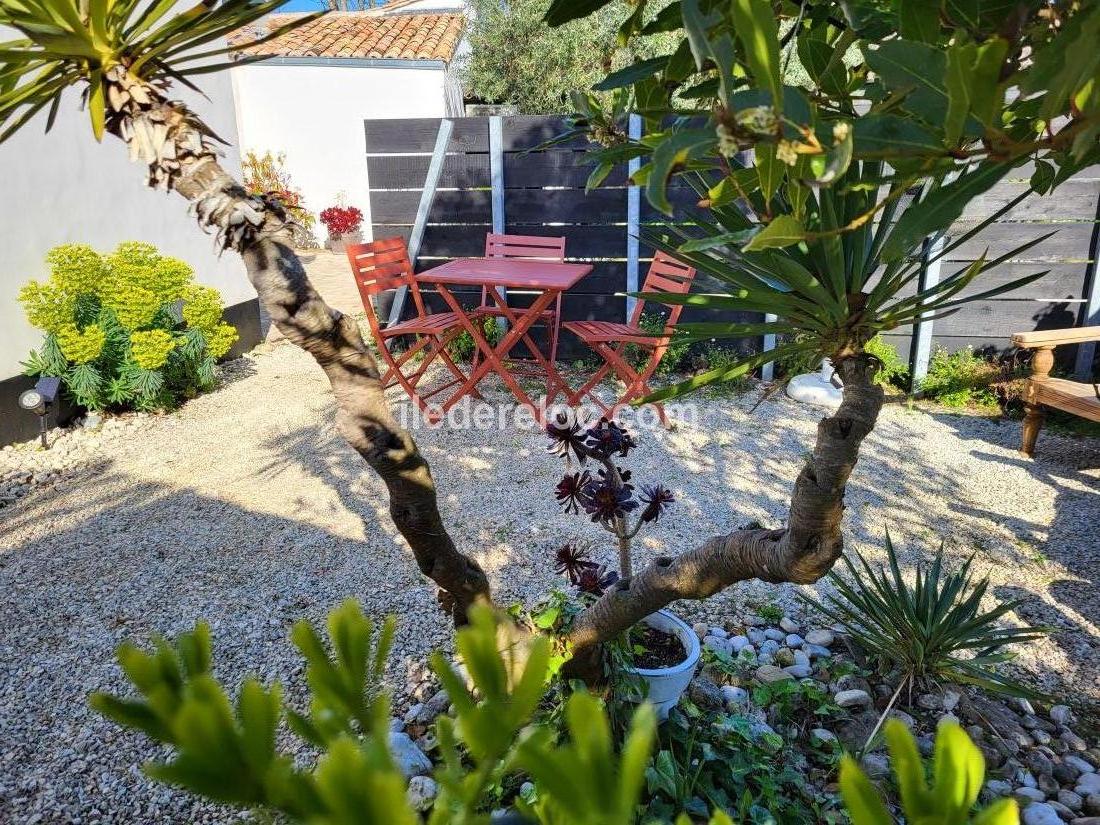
x=567, y=437
x=570, y=490
x=609, y=439
x=595, y=580
x=608, y=496
x=655, y=498
x=586, y=575
x=570, y=561
x=606, y=501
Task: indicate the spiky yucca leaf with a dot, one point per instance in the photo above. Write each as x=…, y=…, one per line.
x=932, y=629
x=842, y=283
x=65, y=44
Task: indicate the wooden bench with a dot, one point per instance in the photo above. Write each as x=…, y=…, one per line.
x=1074, y=397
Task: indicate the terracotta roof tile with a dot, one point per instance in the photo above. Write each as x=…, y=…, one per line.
x=358, y=35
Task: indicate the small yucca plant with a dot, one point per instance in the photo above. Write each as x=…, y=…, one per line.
x=933, y=630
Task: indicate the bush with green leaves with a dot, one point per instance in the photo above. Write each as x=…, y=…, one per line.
x=227, y=751
x=892, y=370
x=931, y=630
x=961, y=379
x=732, y=762
x=957, y=772
x=462, y=347
x=128, y=329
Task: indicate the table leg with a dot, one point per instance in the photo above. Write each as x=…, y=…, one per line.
x=494, y=355
x=553, y=377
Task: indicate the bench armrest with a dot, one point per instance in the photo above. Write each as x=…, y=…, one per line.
x=1055, y=337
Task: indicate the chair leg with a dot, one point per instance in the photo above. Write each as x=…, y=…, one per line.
x=598, y=376
x=452, y=366
x=637, y=383
x=1034, y=415
x=554, y=332
x=425, y=360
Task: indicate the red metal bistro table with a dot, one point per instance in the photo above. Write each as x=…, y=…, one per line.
x=545, y=278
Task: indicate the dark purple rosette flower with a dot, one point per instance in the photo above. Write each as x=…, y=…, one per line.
x=596, y=580
x=655, y=498
x=567, y=438
x=623, y=474
x=605, y=501
x=608, y=438
x=570, y=490
x=571, y=561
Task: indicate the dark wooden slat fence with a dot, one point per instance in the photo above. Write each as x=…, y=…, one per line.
x=543, y=194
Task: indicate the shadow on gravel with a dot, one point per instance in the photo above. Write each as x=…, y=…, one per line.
x=81, y=571
x=1070, y=542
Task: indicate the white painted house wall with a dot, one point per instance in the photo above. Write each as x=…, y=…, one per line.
x=313, y=109
x=63, y=187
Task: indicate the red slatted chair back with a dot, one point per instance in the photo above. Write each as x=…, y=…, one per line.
x=525, y=247
x=381, y=265
x=666, y=274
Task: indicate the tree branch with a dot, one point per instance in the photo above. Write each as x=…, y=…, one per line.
x=802, y=552
x=258, y=229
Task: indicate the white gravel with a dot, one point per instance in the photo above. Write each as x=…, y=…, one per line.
x=246, y=508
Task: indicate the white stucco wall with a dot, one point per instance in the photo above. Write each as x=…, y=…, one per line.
x=314, y=114
x=63, y=187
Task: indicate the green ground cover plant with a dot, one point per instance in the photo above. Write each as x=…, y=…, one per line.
x=580, y=771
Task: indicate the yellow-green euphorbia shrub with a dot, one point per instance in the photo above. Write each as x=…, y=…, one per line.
x=129, y=328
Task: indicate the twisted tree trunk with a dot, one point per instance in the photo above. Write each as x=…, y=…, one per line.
x=802, y=552
x=176, y=147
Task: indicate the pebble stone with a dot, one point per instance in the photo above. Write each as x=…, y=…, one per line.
x=733, y=696
x=854, y=698
x=422, y=792
x=1040, y=813
x=771, y=673
x=409, y=759
x=105, y=532
x=820, y=637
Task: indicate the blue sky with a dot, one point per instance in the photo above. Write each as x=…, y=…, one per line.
x=302, y=5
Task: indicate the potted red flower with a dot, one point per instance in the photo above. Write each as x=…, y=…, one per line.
x=342, y=223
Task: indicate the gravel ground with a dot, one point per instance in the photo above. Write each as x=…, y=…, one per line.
x=245, y=507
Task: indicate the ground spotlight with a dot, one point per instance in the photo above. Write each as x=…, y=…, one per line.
x=38, y=401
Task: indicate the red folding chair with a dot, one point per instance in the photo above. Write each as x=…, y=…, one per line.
x=526, y=248
x=609, y=339
x=384, y=264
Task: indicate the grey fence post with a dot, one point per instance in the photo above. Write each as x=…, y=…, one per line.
x=427, y=196
x=920, y=351
x=767, y=372
x=633, y=219
x=1090, y=309
x=496, y=180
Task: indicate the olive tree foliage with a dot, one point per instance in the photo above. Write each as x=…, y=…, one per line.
x=516, y=59
x=909, y=110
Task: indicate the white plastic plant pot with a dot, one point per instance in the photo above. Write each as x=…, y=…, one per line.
x=667, y=684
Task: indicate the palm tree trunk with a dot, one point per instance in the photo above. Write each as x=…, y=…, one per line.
x=175, y=145
x=802, y=552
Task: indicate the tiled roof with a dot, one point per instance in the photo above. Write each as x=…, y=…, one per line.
x=358, y=34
